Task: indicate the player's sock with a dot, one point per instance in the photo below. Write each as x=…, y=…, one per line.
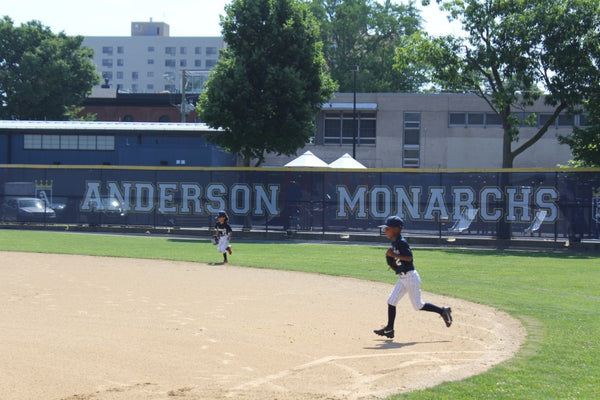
x=391, y=316
x=225, y=256
x=432, y=308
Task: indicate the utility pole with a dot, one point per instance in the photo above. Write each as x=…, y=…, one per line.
x=183, y=100
x=354, y=69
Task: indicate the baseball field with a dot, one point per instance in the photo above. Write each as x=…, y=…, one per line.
x=142, y=317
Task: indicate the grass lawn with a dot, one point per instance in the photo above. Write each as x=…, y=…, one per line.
x=555, y=295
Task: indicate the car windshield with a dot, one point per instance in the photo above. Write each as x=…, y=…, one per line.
x=34, y=203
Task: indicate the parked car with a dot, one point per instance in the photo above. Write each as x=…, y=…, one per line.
x=27, y=209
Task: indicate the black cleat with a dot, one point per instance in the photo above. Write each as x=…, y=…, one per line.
x=389, y=333
x=447, y=316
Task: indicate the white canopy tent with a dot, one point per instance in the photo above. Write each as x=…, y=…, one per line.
x=308, y=159
x=346, y=161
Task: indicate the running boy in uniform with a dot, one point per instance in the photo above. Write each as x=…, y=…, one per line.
x=399, y=257
x=223, y=234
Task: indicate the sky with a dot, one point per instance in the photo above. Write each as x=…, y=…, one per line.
x=185, y=17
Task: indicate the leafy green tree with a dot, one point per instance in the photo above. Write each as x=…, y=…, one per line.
x=513, y=52
x=585, y=142
x=270, y=81
x=366, y=33
x=42, y=73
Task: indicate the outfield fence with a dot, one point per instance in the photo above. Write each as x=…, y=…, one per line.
x=553, y=204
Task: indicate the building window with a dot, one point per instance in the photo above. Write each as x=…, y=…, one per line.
x=170, y=50
x=197, y=63
x=134, y=87
x=105, y=142
x=150, y=74
x=198, y=50
x=150, y=86
x=68, y=142
x=544, y=118
x=583, y=120
x=170, y=63
x=170, y=88
x=120, y=50
x=135, y=75
x=475, y=119
x=211, y=51
x=108, y=50
x=120, y=62
x=119, y=74
x=492, y=119
x=51, y=142
x=107, y=62
x=183, y=50
x=87, y=142
x=566, y=120
x=31, y=142
x=107, y=75
x=411, y=147
x=150, y=61
x=182, y=63
x=150, y=49
x=339, y=128
x=211, y=63
x=458, y=118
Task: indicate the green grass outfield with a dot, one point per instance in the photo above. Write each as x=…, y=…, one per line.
x=555, y=295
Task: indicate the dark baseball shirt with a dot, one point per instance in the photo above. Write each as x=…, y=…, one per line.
x=224, y=228
x=400, y=246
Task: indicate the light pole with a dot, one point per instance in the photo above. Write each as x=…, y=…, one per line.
x=354, y=69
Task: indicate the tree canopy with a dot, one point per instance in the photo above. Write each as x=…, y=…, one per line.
x=513, y=52
x=42, y=73
x=270, y=81
x=365, y=33
x=585, y=142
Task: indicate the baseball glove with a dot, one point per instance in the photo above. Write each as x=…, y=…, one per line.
x=391, y=262
x=214, y=240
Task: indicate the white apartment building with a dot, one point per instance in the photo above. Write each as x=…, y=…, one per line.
x=151, y=61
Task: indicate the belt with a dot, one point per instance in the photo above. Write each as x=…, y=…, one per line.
x=402, y=273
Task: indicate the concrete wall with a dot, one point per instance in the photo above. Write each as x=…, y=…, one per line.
x=442, y=145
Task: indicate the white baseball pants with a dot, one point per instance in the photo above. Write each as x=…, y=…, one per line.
x=409, y=283
x=223, y=244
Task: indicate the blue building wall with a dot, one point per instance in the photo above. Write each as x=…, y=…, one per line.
x=141, y=149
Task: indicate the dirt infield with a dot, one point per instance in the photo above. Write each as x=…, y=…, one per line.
x=77, y=327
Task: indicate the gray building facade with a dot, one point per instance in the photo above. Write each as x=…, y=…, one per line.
x=430, y=131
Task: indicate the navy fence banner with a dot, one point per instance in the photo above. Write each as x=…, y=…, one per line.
x=548, y=203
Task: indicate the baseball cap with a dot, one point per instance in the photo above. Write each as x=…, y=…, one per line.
x=222, y=214
x=393, y=222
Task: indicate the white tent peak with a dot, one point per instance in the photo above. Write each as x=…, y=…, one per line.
x=346, y=161
x=308, y=159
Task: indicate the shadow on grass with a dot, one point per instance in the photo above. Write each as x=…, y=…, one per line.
x=189, y=240
x=515, y=252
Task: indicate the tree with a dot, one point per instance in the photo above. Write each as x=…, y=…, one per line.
x=514, y=52
x=585, y=142
x=366, y=33
x=270, y=81
x=42, y=73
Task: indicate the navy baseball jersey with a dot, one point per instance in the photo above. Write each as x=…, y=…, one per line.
x=224, y=228
x=400, y=246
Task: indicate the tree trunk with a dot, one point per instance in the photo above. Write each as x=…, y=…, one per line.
x=507, y=157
